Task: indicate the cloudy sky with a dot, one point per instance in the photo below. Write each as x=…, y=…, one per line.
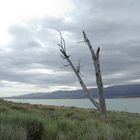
x=29, y=57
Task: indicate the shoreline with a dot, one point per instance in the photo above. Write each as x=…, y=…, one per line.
x=72, y=98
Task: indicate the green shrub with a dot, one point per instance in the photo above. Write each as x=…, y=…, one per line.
x=9, y=133
x=37, y=122
x=33, y=125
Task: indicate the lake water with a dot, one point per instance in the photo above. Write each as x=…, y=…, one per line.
x=123, y=104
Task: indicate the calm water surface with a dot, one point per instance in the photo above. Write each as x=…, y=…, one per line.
x=123, y=104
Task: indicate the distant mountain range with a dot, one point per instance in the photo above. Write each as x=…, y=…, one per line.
x=119, y=91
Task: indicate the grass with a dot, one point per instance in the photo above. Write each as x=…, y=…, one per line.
x=40, y=122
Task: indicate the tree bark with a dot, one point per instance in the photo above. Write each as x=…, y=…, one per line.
x=96, y=104
x=96, y=62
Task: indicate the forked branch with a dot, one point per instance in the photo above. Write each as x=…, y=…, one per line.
x=76, y=70
x=96, y=62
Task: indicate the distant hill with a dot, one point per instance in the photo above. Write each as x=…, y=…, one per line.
x=110, y=92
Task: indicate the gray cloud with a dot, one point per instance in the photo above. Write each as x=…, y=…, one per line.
x=112, y=25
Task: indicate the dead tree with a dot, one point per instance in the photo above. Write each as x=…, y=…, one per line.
x=76, y=70
x=101, y=105
x=96, y=62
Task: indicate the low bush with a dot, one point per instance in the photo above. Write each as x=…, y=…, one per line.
x=37, y=122
x=31, y=124
x=7, y=132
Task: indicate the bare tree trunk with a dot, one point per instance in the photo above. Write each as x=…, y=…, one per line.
x=83, y=85
x=76, y=71
x=96, y=62
x=95, y=57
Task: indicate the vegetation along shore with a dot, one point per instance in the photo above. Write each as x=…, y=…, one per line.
x=22, y=121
